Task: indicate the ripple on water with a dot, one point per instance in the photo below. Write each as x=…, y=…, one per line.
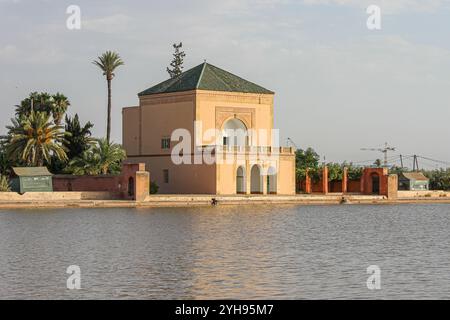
x=279, y=252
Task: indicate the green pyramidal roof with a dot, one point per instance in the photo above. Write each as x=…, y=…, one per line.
x=206, y=77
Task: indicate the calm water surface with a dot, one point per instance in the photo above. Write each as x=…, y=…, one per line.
x=293, y=252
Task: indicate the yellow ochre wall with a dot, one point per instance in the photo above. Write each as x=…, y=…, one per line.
x=159, y=115
x=214, y=108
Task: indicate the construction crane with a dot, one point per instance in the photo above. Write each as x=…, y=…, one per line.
x=290, y=142
x=384, y=150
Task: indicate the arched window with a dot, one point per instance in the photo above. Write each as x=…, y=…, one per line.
x=234, y=133
x=256, y=185
x=241, y=187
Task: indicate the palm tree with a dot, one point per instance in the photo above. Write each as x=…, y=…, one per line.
x=34, y=139
x=110, y=155
x=80, y=136
x=4, y=184
x=108, y=62
x=42, y=102
x=85, y=164
x=102, y=158
x=59, y=107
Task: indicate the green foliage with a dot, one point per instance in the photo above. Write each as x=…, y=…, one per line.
x=306, y=158
x=309, y=159
x=153, y=187
x=354, y=173
x=439, y=179
x=102, y=158
x=108, y=63
x=177, y=62
x=34, y=139
x=5, y=163
x=80, y=138
x=59, y=107
x=397, y=170
x=335, y=171
x=377, y=163
x=4, y=184
x=55, y=105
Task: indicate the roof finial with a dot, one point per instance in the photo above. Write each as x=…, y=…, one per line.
x=204, y=60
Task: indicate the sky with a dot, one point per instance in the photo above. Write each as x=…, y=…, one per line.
x=339, y=86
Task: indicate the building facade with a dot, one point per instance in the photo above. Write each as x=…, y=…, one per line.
x=413, y=181
x=208, y=131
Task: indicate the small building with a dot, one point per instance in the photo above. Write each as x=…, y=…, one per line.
x=413, y=181
x=31, y=179
x=226, y=118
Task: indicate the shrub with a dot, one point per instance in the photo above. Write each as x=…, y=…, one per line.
x=153, y=187
x=4, y=184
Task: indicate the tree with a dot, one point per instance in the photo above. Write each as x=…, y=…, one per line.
x=335, y=171
x=5, y=162
x=306, y=158
x=154, y=187
x=108, y=63
x=354, y=173
x=439, y=179
x=59, y=108
x=397, y=170
x=34, y=139
x=79, y=139
x=55, y=105
x=39, y=102
x=110, y=156
x=102, y=158
x=177, y=61
x=4, y=184
x=377, y=163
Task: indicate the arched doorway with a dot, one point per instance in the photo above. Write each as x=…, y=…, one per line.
x=375, y=183
x=241, y=187
x=272, y=181
x=131, y=187
x=256, y=185
x=234, y=133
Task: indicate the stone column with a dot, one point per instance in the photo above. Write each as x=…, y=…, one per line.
x=362, y=182
x=325, y=180
x=344, y=180
x=264, y=181
x=307, y=182
x=248, y=177
x=142, y=189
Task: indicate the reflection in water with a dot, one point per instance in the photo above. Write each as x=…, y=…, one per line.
x=291, y=252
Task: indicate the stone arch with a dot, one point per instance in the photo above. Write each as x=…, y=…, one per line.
x=256, y=180
x=241, y=185
x=375, y=180
x=234, y=132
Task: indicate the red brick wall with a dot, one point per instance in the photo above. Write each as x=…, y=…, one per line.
x=107, y=183
x=86, y=183
x=354, y=186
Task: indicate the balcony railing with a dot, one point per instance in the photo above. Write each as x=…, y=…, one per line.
x=249, y=149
